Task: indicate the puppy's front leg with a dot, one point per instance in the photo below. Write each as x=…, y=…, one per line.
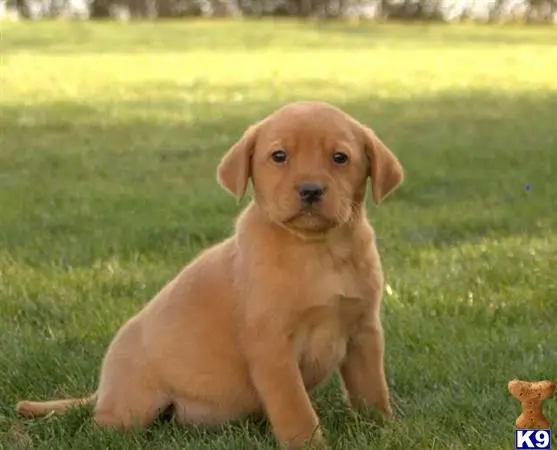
x=278, y=381
x=363, y=372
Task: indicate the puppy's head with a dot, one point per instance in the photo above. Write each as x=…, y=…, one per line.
x=309, y=163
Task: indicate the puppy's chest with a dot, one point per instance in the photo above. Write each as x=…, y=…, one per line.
x=333, y=272
x=321, y=339
x=337, y=299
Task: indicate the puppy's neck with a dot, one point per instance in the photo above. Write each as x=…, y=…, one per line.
x=253, y=213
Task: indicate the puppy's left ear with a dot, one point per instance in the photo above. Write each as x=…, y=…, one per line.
x=384, y=168
x=233, y=171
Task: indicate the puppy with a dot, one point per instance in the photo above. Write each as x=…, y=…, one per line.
x=256, y=321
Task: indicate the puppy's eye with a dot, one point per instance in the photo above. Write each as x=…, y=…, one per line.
x=340, y=158
x=279, y=156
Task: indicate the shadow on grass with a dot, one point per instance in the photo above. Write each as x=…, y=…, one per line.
x=137, y=177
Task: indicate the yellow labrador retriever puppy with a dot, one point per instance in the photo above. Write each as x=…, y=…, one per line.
x=255, y=322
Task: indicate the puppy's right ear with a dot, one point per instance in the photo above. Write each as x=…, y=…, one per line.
x=233, y=171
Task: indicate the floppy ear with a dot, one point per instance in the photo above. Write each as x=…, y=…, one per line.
x=234, y=169
x=384, y=168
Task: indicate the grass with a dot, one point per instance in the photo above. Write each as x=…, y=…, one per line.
x=110, y=135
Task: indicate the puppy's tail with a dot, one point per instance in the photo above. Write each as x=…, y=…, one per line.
x=40, y=409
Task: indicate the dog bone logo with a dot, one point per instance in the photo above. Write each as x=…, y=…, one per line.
x=531, y=396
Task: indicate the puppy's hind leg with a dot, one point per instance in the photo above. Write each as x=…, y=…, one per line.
x=136, y=406
x=128, y=395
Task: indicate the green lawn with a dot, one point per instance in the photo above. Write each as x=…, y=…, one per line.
x=110, y=134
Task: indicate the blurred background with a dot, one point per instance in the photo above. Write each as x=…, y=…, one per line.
x=442, y=10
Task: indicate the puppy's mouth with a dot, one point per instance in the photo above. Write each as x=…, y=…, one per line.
x=307, y=211
x=309, y=219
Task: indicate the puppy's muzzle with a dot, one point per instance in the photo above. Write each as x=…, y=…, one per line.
x=311, y=193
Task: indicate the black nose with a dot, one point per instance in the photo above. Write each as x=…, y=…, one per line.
x=310, y=192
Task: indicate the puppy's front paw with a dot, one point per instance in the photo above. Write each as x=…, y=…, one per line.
x=313, y=440
x=380, y=414
x=384, y=407
x=387, y=412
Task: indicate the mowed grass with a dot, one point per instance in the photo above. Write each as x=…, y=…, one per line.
x=110, y=135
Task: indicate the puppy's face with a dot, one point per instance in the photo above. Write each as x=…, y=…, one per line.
x=308, y=168
x=309, y=163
